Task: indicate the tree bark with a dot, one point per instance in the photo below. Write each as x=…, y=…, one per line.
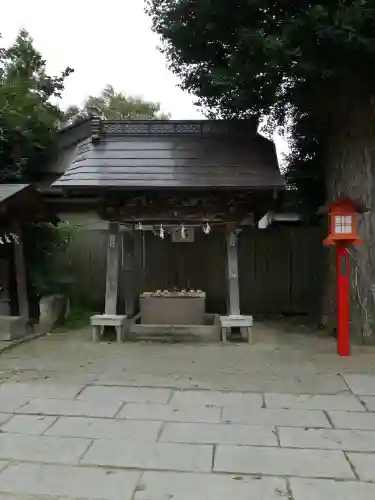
x=350, y=157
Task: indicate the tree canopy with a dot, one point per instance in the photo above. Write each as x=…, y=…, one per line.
x=113, y=105
x=310, y=67
x=239, y=57
x=28, y=117
x=295, y=59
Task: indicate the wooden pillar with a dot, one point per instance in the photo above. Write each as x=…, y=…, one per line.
x=233, y=285
x=20, y=265
x=139, y=262
x=128, y=271
x=113, y=255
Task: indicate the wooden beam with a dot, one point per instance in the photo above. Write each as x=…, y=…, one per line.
x=222, y=213
x=20, y=265
x=111, y=289
x=128, y=276
x=233, y=284
x=225, y=208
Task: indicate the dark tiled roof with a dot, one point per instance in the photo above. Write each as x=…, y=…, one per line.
x=174, y=155
x=9, y=190
x=24, y=202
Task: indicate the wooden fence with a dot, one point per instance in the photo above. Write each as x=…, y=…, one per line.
x=280, y=269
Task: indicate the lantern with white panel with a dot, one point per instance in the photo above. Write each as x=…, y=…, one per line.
x=343, y=224
x=343, y=215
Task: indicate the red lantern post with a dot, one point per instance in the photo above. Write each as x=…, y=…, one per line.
x=342, y=273
x=342, y=233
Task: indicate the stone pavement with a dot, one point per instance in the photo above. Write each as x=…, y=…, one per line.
x=284, y=418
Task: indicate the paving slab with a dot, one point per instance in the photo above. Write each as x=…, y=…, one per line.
x=60, y=376
x=40, y=390
x=314, y=402
x=42, y=448
x=369, y=402
x=287, y=365
x=217, y=398
x=25, y=496
x=327, y=439
x=363, y=385
x=282, y=461
x=71, y=407
x=170, y=413
x=157, y=456
x=299, y=382
x=68, y=482
x=273, y=417
x=105, y=428
x=125, y=394
x=4, y=417
x=214, y=379
x=364, y=464
x=28, y=424
x=189, y=486
x=218, y=434
x=353, y=420
x=3, y=464
x=11, y=404
x=171, y=380
x=314, y=489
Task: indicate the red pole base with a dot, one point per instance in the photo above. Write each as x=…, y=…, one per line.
x=342, y=267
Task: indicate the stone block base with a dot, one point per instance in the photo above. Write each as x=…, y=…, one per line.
x=99, y=321
x=244, y=323
x=13, y=327
x=52, y=311
x=208, y=332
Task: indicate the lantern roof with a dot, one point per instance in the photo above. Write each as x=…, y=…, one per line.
x=344, y=202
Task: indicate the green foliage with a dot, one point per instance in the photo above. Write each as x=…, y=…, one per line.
x=45, y=245
x=28, y=119
x=114, y=105
x=298, y=61
x=79, y=317
x=240, y=57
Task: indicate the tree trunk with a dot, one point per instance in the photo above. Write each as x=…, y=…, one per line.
x=350, y=157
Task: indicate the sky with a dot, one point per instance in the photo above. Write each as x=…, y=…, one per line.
x=106, y=42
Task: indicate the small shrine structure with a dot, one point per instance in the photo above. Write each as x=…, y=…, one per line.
x=19, y=204
x=175, y=179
